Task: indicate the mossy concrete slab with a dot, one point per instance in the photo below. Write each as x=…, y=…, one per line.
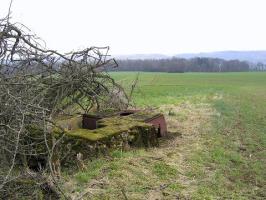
x=108, y=127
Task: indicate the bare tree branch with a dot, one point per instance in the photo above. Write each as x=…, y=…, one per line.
x=37, y=86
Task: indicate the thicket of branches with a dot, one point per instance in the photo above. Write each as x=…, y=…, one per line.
x=37, y=85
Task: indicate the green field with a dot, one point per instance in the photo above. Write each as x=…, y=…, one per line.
x=216, y=147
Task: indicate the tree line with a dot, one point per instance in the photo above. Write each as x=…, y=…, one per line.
x=183, y=65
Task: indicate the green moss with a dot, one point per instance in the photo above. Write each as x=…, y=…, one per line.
x=67, y=122
x=108, y=127
x=143, y=115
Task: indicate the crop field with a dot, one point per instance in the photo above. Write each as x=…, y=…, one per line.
x=216, y=147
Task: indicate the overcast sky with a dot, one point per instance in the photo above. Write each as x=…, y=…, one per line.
x=145, y=26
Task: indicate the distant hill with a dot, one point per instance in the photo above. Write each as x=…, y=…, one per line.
x=250, y=56
x=142, y=56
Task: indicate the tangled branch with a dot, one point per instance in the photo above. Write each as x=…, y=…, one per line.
x=37, y=85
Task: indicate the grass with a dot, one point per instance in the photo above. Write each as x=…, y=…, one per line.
x=163, y=171
x=216, y=148
x=93, y=169
x=237, y=151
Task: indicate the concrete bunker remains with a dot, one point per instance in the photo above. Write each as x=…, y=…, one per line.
x=157, y=120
